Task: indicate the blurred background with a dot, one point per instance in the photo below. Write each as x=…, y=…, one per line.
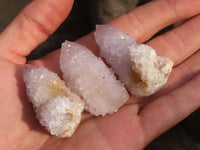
x=82, y=20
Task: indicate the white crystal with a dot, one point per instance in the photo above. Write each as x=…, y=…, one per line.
x=121, y=52
x=37, y=80
x=89, y=77
x=53, y=101
x=60, y=115
x=150, y=71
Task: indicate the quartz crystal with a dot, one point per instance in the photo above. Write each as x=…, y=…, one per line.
x=88, y=76
x=57, y=108
x=114, y=48
x=138, y=66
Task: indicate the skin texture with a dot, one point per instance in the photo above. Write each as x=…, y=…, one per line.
x=138, y=122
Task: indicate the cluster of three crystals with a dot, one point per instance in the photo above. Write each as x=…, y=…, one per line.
x=137, y=66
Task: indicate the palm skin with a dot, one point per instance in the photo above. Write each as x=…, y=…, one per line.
x=139, y=121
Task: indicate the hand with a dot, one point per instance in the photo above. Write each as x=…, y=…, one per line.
x=134, y=125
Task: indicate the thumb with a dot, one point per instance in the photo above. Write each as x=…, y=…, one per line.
x=31, y=27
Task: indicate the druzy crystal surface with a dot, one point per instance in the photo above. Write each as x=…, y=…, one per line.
x=90, y=78
x=114, y=48
x=57, y=108
x=150, y=72
x=137, y=65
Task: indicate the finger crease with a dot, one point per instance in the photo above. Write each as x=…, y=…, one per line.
x=134, y=22
x=172, y=98
x=105, y=139
x=35, y=23
x=171, y=5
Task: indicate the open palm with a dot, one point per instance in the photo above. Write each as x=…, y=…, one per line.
x=138, y=122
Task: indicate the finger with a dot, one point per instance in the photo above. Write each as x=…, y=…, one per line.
x=163, y=113
x=153, y=17
x=31, y=27
x=144, y=21
x=179, y=43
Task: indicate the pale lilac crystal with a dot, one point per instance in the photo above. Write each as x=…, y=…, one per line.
x=136, y=65
x=114, y=47
x=89, y=77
